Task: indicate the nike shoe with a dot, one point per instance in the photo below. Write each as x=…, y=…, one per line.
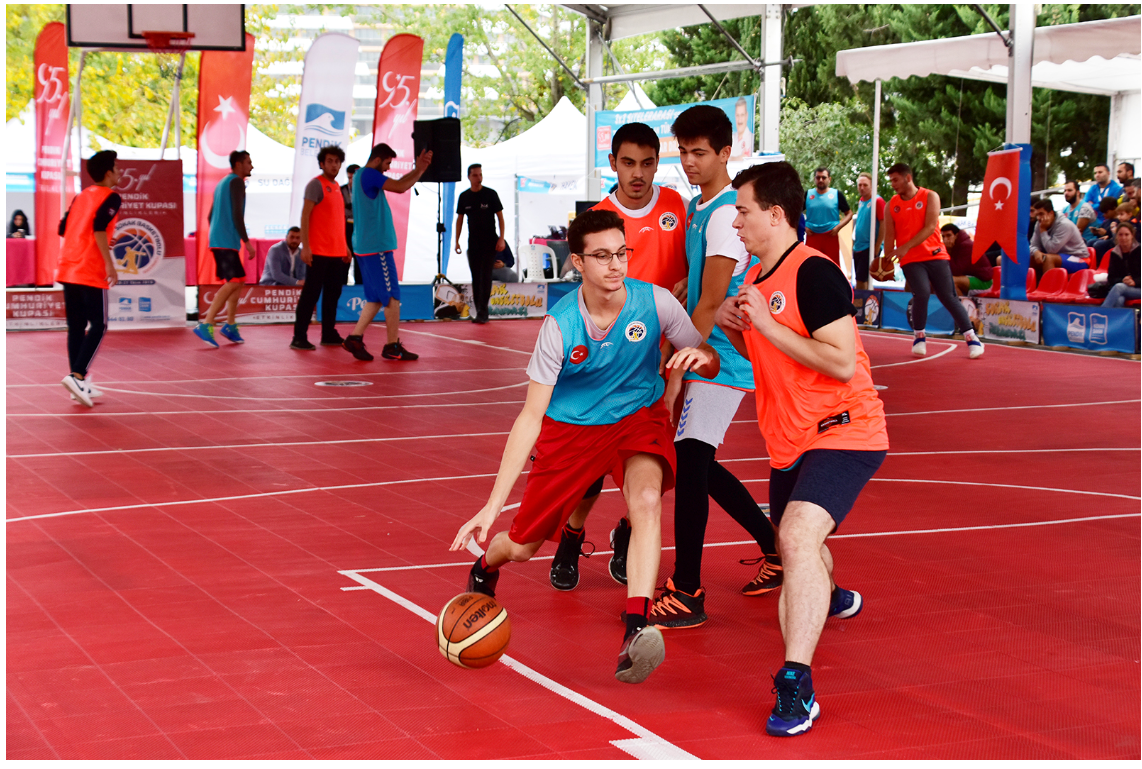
x=356, y=345
x=975, y=348
x=919, y=347
x=205, y=333
x=675, y=609
x=642, y=651
x=565, y=566
x=620, y=543
x=230, y=331
x=483, y=582
x=301, y=344
x=336, y=340
x=769, y=577
x=77, y=389
x=845, y=603
x=796, y=707
x=396, y=351
x=92, y=390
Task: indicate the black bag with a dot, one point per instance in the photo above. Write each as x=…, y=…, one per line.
x=1098, y=290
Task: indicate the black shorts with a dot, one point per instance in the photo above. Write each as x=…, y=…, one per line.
x=228, y=264
x=860, y=265
x=830, y=478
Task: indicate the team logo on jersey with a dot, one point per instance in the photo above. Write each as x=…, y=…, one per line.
x=896, y=209
x=776, y=303
x=636, y=331
x=646, y=229
x=919, y=204
x=667, y=221
x=579, y=354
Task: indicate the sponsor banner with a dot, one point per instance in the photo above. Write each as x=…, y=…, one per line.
x=552, y=185
x=325, y=109
x=223, y=114
x=1090, y=328
x=868, y=304
x=508, y=300
x=415, y=304
x=398, y=86
x=153, y=296
x=453, y=71
x=1007, y=320
x=258, y=304
x=35, y=310
x=739, y=110
x=896, y=313
x=50, y=90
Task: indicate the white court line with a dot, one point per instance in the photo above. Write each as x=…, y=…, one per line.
x=1027, y=348
x=476, y=342
x=354, y=375
x=309, y=398
x=648, y=745
x=283, y=410
x=945, y=351
x=990, y=408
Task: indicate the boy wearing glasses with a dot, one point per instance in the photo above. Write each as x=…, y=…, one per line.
x=594, y=406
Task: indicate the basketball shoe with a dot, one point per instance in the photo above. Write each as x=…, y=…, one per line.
x=769, y=577
x=796, y=707
x=356, y=345
x=397, y=351
x=565, y=566
x=642, y=651
x=481, y=581
x=975, y=347
x=620, y=544
x=230, y=331
x=675, y=609
x=78, y=389
x=92, y=390
x=206, y=334
x=919, y=347
x=845, y=603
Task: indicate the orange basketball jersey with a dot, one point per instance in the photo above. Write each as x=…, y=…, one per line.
x=657, y=234
x=327, y=222
x=799, y=409
x=908, y=219
x=80, y=260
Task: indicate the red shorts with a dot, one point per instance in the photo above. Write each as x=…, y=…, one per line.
x=829, y=245
x=569, y=458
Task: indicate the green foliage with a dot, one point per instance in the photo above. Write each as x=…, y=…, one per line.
x=22, y=24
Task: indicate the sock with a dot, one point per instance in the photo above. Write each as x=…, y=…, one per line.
x=572, y=531
x=919, y=334
x=797, y=666
x=637, y=609
x=485, y=566
x=772, y=558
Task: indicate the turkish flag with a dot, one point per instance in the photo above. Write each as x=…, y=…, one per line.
x=51, y=95
x=999, y=206
x=224, y=79
x=398, y=90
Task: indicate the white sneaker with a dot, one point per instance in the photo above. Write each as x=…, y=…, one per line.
x=919, y=347
x=975, y=348
x=92, y=390
x=78, y=390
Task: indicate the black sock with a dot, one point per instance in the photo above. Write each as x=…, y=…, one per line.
x=797, y=666
x=572, y=531
x=735, y=499
x=484, y=567
x=636, y=614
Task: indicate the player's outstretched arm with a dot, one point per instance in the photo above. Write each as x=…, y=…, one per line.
x=703, y=360
x=521, y=440
x=831, y=350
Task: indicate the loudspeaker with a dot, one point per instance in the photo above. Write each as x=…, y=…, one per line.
x=442, y=137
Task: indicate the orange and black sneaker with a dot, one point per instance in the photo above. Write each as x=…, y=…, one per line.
x=675, y=609
x=769, y=575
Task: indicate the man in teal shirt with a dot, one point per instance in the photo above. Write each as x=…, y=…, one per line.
x=227, y=235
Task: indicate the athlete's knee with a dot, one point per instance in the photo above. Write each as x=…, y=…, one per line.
x=645, y=505
x=803, y=530
x=519, y=553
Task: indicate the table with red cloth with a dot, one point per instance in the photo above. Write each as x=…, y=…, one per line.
x=21, y=255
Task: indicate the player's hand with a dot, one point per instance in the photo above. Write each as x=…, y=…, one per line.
x=690, y=358
x=112, y=277
x=306, y=255
x=497, y=265
x=501, y=244
x=730, y=315
x=458, y=248
x=249, y=251
x=1128, y=280
x=680, y=290
x=481, y=522
x=423, y=160
x=755, y=307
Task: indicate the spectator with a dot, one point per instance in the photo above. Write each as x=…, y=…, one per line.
x=967, y=275
x=19, y=227
x=1130, y=195
x=862, y=253
x=1103, y=238
x=502, y=267
x=1123, y=276
x=826, y=214
x=1124, y=172
x=283, y=262
x=347, y=196
x=1078, y=210
x=1103, y=187
x=1057, y=242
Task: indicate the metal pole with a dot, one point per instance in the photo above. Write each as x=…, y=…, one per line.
x=71, y=116
x=728, y=36
x=173, y=110
x=873, y=253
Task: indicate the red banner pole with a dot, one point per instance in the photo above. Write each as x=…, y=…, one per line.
x=52, y=104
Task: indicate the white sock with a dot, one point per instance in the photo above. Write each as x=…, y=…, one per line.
x=969, y=336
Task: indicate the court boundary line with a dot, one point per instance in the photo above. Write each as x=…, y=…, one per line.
x=1028, y=347
x=308, y=397
x=648, y=745
x=355, y=374
x=951, y=346
x=475, y=342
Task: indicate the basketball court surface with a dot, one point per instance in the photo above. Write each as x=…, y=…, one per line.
x=224, y=559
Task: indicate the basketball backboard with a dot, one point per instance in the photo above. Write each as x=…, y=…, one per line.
x=121, y=27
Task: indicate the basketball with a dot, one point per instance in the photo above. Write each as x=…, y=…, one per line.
x=473, y=631
x=882, y=268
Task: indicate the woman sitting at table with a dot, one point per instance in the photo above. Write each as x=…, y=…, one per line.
x=19, y=227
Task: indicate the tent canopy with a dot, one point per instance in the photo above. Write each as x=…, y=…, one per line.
x=1096, y=57
x=630, y=19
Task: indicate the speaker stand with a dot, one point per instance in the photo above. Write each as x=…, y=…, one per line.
x=440, y=229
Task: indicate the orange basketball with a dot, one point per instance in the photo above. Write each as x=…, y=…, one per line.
x=882, y=268
x=473, y=630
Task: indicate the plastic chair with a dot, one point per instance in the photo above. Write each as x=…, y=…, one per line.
x=1092, y=258
x=1104, y=263
x=1076, y=290
x=532, y=263
x=1031, y=279
x=1054, y=282
x=993, y=292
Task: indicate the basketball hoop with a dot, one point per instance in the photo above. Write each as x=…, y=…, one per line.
x=168, y=42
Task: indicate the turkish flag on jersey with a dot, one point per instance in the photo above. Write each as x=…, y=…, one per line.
x=998, y=206
x=223, y=114
x=398, y=90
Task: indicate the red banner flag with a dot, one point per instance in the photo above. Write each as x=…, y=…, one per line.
x=999, y=206
x=224, y=79
x=52, y=103
x=398, y=91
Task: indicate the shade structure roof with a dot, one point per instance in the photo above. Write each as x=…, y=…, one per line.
x=1097, y=57
x=630, y=19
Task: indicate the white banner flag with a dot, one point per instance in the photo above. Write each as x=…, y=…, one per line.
x=325, y=109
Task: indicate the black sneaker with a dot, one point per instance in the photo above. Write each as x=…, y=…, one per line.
x=642, y=651
x=483, y=582
x=396, y=351
x=675, y=609
x=796, y=707
x=356, y=345
x=769, y=577
x=620, y=543
x=565, y=566
x=845, y=603
x=332, y=341
x=301, y=344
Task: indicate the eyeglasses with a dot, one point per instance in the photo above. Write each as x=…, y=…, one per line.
x=604, y=257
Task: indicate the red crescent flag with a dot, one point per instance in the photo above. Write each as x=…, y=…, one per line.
x=998, y=206
x=398, y=90
x=52, y=103
x=224, y=79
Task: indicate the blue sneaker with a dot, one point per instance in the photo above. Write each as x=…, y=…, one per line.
x=205, y=333
x=231, y=332
x=845, y=603
x=796, y=707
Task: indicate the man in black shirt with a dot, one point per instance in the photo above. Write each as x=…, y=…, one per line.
x=482, y=207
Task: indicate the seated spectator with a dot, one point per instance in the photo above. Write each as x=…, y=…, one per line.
x=1125, y=264
x=1056, y=242
x=284, y=266
x=1078, y=210
x=1124, y=172
x=1124, y=216
x=1101, y=238
x=1130, y=195
x=966, y=274
x=19, y=227
x=1103, y=187
x=502, y=267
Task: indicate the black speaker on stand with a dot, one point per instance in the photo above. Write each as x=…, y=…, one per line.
x=442, y=138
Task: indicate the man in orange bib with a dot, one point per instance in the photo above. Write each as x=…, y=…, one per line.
x=912, y=235
x=86, y=270
x=819, y=413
